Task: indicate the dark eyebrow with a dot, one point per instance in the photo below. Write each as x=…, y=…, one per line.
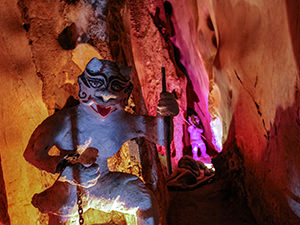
x=91, y=76
x=84, y=80
x=122, y=79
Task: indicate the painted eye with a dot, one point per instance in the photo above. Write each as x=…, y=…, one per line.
x=117, y=86
x=96, y=83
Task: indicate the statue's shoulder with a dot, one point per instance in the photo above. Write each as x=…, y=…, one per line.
x=70, y=109
x=60, y=117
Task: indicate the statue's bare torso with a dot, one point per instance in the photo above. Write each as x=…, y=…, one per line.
x=78, y=126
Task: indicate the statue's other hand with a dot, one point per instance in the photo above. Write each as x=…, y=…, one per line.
x=89, y=156
x=167, y=105
x=78, y=174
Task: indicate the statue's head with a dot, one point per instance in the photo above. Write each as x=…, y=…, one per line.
x=194, y=119
x=105, y=86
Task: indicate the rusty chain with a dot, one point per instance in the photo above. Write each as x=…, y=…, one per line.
x=79, y=204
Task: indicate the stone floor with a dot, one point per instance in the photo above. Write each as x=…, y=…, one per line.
x=208, y=204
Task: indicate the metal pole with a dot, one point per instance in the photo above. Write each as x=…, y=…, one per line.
x=167, y=126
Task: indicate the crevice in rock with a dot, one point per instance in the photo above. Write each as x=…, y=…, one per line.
x=298, y=116
x=257, y=106
x=256, y=81
x=138, y=11
x=210, y=23
x=267, y=134
x=68, y=37
x=238, y=77
x=118, y=38
x=214, y=41
x=166, y=30
x=26, y=26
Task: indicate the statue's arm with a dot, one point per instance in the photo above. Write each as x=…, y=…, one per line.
x=40, y=143
x=152, y=128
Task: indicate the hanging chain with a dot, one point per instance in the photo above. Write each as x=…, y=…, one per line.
x=79, y=204
x=74, y=159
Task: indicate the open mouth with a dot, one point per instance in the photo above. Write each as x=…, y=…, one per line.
x=100, y=109
x=103, y=111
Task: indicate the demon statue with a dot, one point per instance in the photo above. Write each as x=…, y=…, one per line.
x=87, y=135
x=196, y=136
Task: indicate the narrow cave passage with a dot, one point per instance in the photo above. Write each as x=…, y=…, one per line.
x=209, y=204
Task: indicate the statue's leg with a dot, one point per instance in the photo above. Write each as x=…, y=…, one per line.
x=59, y=199
x=127, y=194
x=140, y=200
x=202, y=147
x=195, y=151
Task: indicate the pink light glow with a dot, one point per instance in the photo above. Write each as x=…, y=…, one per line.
x=217, y=131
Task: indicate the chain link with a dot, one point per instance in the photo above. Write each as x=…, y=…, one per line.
x=74, y=159
x=79, y=204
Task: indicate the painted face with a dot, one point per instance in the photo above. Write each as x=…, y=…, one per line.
x=105, y=86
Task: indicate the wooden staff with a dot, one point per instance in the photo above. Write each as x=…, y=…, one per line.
x=167, y=126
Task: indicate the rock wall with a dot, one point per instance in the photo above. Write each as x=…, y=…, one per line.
x=256, y=57
x=46, y=45
x=150, y=53
x=189, y=40
x=22, y=108
x=250, y=51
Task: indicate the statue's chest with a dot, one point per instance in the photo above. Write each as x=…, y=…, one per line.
x=107, y=137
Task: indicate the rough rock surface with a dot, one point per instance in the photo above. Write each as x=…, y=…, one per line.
x=150, y=53
x=260, y=65
x=22, y=108
x=252, y=55
x=42, y=68
x=192, y=38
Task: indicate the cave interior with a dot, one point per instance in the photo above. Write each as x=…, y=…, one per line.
x=233, y=67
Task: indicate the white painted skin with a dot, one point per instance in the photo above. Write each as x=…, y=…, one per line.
x=74, y=127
